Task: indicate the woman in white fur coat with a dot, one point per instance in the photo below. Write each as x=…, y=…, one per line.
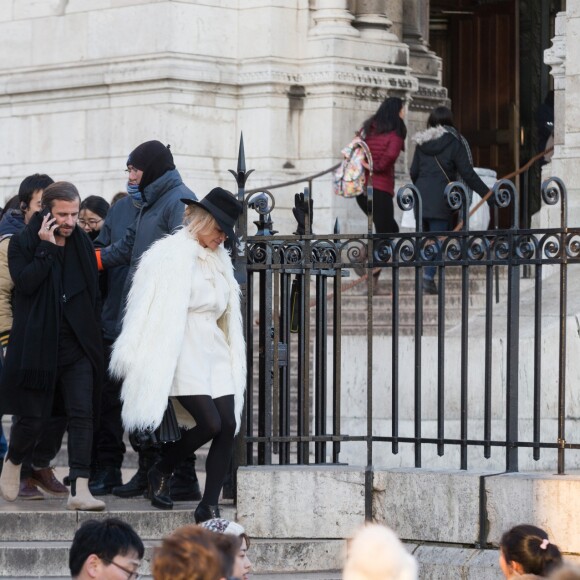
x=182, y=338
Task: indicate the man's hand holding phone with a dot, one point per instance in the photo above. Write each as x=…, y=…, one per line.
x=47, y=229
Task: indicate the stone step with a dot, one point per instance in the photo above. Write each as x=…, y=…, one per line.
x=35, y=536
x=49, y=520
x=35, y=539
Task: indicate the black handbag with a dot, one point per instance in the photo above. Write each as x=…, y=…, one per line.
x=167, y=432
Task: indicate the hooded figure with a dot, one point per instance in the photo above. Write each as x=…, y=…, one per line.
x=442, y=155
x=156, y=186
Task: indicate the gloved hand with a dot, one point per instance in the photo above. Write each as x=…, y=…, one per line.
x=143, y=439
x=299, y=211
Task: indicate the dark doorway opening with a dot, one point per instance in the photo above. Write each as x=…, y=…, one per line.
x=493, y=68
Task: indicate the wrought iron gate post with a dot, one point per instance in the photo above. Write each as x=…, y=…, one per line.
x=504, y=194
x=458, y=199
x=552, y=189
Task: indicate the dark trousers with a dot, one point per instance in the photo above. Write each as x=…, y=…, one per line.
x=434, y=225
x=214, y=421
x=46, y=446
x=74, y=385
x=383, y=211
x=108, y=445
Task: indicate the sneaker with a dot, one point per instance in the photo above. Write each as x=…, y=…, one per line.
x=46, y=480
x=28, y=490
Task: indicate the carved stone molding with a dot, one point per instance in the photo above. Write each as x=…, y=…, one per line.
x=372, y=20
x=555, y=56
x=331, y=17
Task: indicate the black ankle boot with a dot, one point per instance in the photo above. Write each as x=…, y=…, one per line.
x=184, y=483
x=137, y=485
x=104, y=480
x=159, y=489
x=204, y=512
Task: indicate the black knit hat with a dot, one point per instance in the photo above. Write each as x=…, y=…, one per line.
x=224, y=208
x=153, y=159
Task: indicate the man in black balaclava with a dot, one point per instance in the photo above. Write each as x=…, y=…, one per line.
x=152, y=174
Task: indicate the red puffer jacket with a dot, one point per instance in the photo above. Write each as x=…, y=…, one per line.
x=385, y=149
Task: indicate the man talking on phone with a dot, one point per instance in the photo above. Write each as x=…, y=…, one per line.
x=54, y=358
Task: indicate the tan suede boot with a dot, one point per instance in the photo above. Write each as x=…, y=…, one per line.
x=80, y=497
x=10, y=480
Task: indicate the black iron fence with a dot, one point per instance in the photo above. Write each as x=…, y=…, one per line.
x=312, y=322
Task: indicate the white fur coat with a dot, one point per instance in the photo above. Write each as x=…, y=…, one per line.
x=146, y=353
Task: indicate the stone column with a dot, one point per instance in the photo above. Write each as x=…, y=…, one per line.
x=555, y=57
x=331, y=17
x=566, y=158
x=372, y=20
x=413, y=25
x=425, y=64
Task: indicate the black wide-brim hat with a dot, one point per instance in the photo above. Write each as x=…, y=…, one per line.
x=224, y=208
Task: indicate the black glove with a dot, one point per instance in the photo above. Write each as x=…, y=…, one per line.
x=299, y=211
x=143, y=439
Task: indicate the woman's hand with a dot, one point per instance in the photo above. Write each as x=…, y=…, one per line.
x=46, y=231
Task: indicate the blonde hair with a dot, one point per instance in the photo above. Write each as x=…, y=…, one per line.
x=198, y=220
x=375, y=553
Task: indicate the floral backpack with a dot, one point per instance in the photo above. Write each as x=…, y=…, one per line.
x=349, y=178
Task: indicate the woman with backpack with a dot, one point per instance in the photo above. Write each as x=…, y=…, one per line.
x=384, y=133
x=442, y=155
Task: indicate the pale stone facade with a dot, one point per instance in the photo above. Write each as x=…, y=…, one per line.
x=82, y=82
x=566, y=74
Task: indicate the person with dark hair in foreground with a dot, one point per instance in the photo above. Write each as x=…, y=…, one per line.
x=525, y=551
x=105, y=550
x=242, y=565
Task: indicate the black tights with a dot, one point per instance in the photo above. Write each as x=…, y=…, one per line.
x=215, y=422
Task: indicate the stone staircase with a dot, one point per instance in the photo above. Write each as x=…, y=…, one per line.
x=354, y=317
x=35, y=536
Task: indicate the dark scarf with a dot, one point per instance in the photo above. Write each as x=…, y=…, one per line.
x=40, y=354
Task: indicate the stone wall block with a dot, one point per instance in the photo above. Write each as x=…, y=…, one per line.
x=300, y=502
x=423, y=505
x=551, y=502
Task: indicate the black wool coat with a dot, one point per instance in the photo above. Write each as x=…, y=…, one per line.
x=41, y=286
x=434, y=145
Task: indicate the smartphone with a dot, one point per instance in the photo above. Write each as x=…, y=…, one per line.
x=46, y=212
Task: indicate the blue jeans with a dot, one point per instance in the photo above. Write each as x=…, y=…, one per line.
x=434, y=225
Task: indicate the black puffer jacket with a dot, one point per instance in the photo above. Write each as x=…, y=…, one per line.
x=438, y=144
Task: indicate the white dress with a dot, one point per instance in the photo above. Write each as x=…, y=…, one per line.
x=204, y=365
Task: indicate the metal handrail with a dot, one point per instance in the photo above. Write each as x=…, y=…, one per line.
x=308, y=178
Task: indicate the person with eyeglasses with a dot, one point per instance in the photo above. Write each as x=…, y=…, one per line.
x=108, y=549
x=153, y=179
x=94, y=210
